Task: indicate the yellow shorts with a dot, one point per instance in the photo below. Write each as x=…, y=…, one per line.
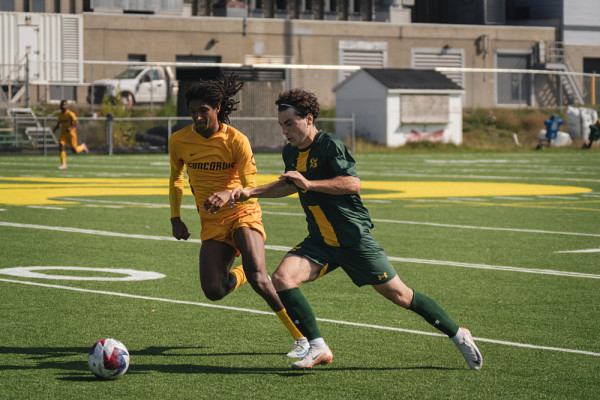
x=70, y=138
x=222, y=229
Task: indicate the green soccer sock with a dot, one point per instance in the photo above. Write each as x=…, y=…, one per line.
x=300, y=312
x=427, y=308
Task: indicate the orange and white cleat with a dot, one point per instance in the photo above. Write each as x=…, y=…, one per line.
x=63, y=166
x=314, y=357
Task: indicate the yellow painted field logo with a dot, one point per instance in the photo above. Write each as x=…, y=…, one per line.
x=51, y=191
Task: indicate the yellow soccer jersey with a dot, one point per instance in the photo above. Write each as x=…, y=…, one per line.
x=66, y=120
x=223, y=161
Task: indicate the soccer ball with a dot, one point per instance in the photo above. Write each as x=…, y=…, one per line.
x=108, y=359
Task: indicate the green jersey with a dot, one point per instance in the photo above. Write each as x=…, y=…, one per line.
x=594, y=133
x=336, y=220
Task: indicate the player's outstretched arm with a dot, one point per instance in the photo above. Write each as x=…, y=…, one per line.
x=275, y=189
x=338, y=185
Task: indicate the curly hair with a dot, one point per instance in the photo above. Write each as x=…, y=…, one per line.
x=302, y=101
x=217, y=92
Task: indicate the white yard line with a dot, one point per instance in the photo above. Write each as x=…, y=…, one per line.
x=48, y=208
x=558, y=197
x=512, y=198
x=463, y=176
x=286, y=248
x=485, y=228
x=580, y=251
x=496, y=267
x=465, y=199
x=374, y=219
x=249, y=310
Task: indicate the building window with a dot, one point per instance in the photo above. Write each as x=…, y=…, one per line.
x=136, y=58
x=63, y=92
x=592, y=66
x=38, y=6
x=7, y=5
x=513, y=88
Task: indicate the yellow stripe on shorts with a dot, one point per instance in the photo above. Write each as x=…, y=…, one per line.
x=323, y=270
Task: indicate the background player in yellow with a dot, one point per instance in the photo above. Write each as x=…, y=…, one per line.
x=218, y=159
x=67, y=121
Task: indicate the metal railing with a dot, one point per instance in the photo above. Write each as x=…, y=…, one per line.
x=552, y=55
x=109, y=135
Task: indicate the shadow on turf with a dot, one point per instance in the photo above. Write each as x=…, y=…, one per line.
x=78, y=370
x=281, y=371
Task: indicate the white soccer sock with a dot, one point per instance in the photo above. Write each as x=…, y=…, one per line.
x=318, y=343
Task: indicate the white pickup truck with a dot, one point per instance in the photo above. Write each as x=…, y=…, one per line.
x=137, y=84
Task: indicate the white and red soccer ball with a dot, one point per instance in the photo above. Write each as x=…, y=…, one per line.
x=108, y=359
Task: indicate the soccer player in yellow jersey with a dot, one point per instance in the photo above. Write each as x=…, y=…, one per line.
x=67, y=121
x=218, y=159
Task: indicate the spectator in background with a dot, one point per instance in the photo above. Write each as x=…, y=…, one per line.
x=594, y=135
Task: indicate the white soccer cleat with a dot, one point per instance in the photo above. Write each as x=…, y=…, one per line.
x=300, y=348
x=314, y=357
x=464, y=341
x=62, y=167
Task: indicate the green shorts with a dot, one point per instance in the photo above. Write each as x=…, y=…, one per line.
x=365, y=262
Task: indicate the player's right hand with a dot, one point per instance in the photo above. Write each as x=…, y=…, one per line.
x=180, y=230
x=238, y=194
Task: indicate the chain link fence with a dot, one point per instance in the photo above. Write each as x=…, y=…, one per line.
x=109, y=135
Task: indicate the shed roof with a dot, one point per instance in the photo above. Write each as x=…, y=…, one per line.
x=399, y=78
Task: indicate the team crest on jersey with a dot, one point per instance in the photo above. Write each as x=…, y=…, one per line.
x=313, y=162
x=381, y=277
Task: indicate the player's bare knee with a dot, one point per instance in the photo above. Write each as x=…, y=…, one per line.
x=214, y=292
x=281, y=280
x=214, y=295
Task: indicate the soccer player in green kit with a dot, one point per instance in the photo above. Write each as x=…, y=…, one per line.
x=320, y=169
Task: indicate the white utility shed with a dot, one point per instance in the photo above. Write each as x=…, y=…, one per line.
x=396, y=106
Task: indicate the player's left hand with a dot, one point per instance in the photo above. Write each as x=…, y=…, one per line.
x=216, y=200
x=298, y=179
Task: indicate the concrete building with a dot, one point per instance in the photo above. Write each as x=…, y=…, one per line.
x=369, y=34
